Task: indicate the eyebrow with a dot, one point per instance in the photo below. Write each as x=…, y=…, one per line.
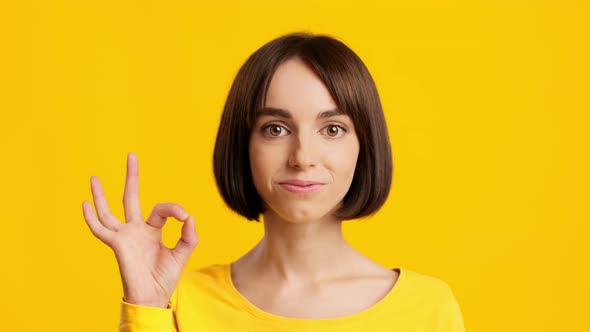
x=272, y=111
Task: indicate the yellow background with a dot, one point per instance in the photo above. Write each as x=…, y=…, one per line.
x=486, y=102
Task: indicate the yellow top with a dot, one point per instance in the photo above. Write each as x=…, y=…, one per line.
x=206, y=299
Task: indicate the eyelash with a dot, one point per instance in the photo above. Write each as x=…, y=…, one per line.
x=265, y=128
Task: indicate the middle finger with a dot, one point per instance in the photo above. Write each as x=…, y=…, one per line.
x=131, y=196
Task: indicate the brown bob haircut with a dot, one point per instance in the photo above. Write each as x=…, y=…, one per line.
x=352, y=89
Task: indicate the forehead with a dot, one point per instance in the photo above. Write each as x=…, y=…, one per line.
x=297, y=88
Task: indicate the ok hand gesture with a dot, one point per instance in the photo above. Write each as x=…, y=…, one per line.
x=149, y=270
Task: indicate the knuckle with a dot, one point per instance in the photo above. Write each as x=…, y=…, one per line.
x=100, y=216
x=171, y=208
x=160, y=206
x=93, y=229
x=103, y=216
x=157, y=208
x=96, y=234
x=177, y=209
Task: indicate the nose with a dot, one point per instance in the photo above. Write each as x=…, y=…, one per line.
x=302, y=154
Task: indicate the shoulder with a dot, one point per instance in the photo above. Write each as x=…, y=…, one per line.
x=428, y=289
x=206, y=283
x=436, y=299
x=427, y=284
x=440, y=306
x=210, y=275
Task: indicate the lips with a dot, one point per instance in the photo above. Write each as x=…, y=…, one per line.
x=300, y=186
x=300, y=183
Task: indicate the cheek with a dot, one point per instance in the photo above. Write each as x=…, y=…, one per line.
x=342, y=158
x=263, y=163
x=255, y=164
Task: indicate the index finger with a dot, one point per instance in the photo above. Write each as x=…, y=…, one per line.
x=131, y=195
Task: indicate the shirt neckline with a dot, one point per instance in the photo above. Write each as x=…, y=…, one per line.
x=372, y=310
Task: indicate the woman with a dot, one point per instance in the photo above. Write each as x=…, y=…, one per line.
x=303, y=143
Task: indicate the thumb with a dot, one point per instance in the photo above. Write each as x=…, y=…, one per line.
x=188, y=241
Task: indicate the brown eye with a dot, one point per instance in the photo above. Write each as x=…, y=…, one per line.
x=333, y=130
x=274, y=130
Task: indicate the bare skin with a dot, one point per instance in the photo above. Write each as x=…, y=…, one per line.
x=349, y=291
x=149, y=270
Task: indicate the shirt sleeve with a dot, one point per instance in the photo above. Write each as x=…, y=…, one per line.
x=140, y=318
x=451, y=319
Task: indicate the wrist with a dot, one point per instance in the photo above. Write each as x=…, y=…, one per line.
x=159, y=303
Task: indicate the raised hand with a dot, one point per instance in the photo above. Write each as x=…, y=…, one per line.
x=149, y=270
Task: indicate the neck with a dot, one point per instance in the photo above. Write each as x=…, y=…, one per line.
x=302, y=253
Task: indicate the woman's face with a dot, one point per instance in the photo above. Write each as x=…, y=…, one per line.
x=301, y=136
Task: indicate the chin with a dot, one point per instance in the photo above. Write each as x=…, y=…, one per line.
x=301, y=215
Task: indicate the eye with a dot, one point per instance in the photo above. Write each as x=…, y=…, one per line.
x=334, y=130
x=274, y=130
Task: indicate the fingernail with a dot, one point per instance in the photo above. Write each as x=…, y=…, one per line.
x=185, y=215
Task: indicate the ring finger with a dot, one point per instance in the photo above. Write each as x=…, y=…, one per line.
x=102, y=208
